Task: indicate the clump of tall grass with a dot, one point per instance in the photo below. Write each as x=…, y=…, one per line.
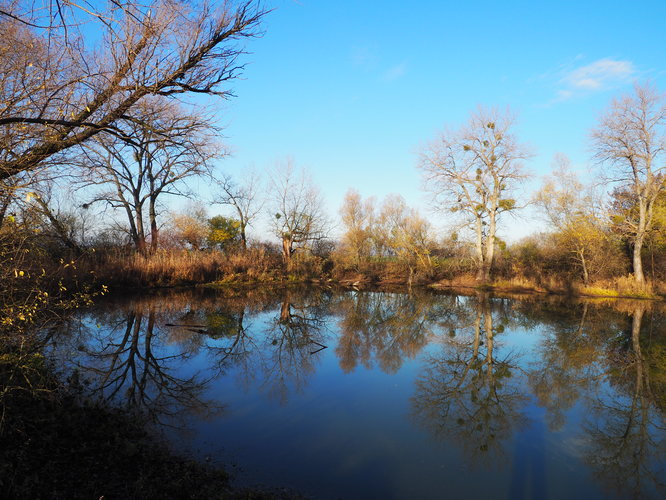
x=185, y=267
x=518, y=283
x=623, y=286
x=598, y=291
x=463, y=281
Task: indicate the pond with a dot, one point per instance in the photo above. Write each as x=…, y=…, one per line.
x=352, y=394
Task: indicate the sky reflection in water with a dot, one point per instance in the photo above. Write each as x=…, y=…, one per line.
x=387, y=395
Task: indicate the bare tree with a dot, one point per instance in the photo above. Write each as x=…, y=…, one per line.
x=630, y=140
x=162, y=148
x=190, y=228
x=59, y=88
x=244, y=200
x=473, y=171
x=570, y=210
x=402, y=232
x=358, y=218
x=297, y=209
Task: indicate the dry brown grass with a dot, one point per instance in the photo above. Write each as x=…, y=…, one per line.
x=460, y=281
x=623, y=286
x=182, y=267
x=522, y=283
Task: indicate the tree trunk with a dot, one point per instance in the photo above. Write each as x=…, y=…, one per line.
x=638, y=260
x=287, y=251
x=583, y=263
x=243, y=236
x=140, y=241
x=134, y=233
x=154, y=231
x=640, y=237
x=479, y=250
x=490, y=247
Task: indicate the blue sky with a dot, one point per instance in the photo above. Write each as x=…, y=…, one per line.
x=351, y=89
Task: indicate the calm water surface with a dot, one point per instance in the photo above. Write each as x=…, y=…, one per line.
x=388, y=395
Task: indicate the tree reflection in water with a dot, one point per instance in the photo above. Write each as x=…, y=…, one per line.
x=605, y=364
x=122, y=366
x=125, y=367
x=600, y=362
x=626, y=441
x=465, y=393
x=388, y=327
x=276, y=351
x=570, y=362
x=292, y=344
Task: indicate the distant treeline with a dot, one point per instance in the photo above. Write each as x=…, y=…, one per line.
x=90, y=152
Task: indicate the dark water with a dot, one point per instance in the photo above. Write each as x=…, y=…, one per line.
x=387, y=395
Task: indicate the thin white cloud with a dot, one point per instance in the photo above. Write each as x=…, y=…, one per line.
x=395, y=72
x=563, y=95
x=603, y=74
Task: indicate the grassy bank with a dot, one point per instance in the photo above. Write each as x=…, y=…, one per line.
x=118, y=269
x=262, y=266
x=623, y=287
x=181, y=267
